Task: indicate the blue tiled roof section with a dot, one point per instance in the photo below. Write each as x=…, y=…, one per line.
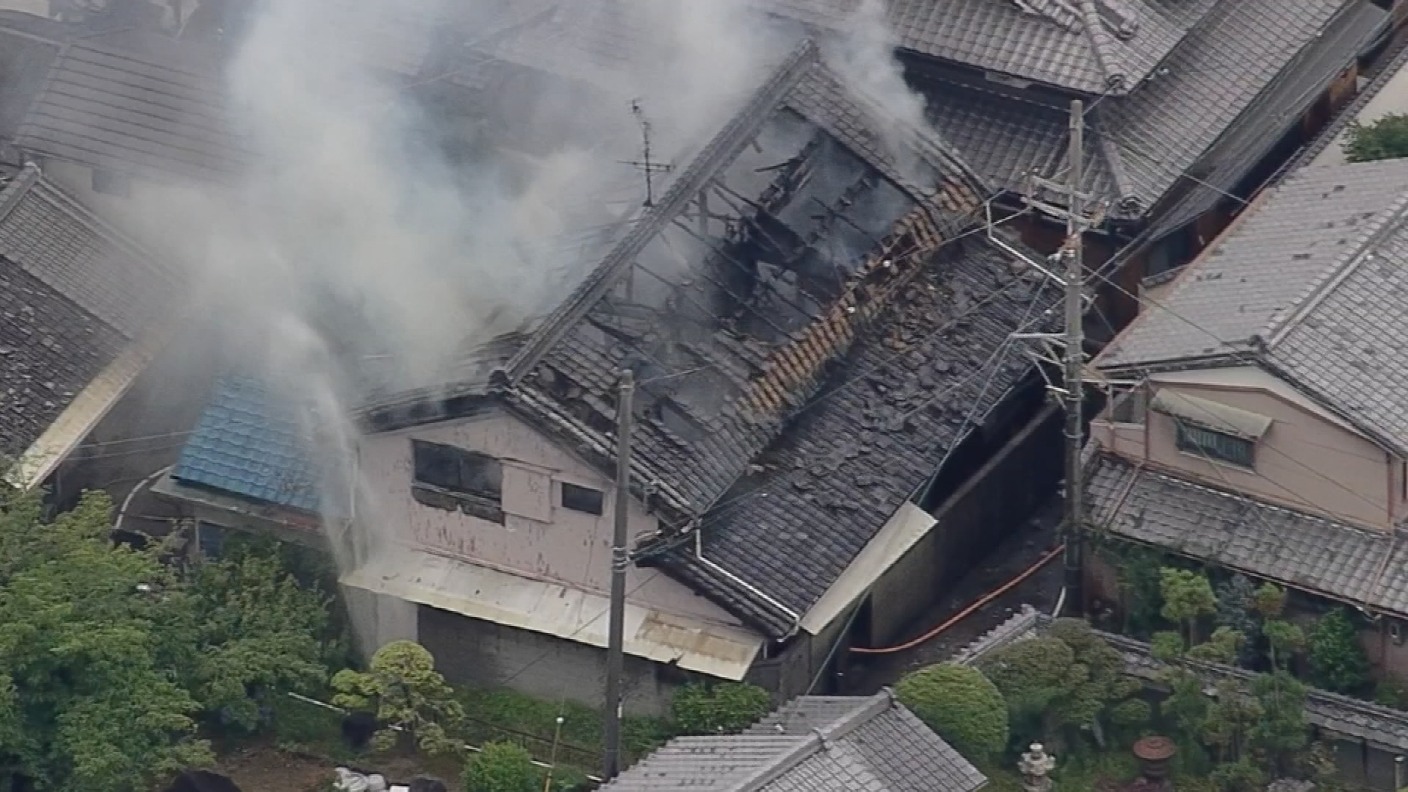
x=248, y=444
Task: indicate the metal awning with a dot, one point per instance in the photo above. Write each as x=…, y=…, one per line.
x=1210, y=414
x=718, y=650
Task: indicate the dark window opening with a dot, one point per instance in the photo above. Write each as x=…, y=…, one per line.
x=110, y=183
x=583, y=499
x=210, y=538
x=457, y=471
x=1215, y=445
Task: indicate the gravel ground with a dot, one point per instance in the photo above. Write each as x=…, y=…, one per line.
x=1024, y=547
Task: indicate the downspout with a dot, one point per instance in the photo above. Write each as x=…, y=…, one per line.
x=751, y=589
x=141, y=485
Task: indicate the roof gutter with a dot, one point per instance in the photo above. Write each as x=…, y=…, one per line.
x=748, y=587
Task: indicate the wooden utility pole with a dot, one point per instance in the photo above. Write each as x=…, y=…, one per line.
x=620, y=559
x=1074, y=385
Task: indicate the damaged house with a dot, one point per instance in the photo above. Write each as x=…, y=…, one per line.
x=821, y=349
x=1258, y=422
x=1190, y=106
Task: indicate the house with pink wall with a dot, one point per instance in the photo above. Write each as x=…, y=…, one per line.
x=1258, y=418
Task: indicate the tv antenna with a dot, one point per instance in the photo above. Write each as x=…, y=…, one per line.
x=644, y=164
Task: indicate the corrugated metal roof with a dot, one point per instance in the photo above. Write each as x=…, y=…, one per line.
x=249, y=443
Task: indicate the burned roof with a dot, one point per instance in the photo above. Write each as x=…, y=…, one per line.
x=816, y=744
x=73, y=295
x=1090, y=46
x=123, y=101
x=798, y=248
x=1309, y=285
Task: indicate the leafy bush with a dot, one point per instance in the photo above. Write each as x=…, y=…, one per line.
x=403, y=689
x=501, y=767
x=1386, y=138
x=726, y=708
x=960, y=705
x=1391, y=692
x=1337, y=659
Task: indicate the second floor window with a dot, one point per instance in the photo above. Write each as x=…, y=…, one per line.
x=458, y=471
x=1222, y=447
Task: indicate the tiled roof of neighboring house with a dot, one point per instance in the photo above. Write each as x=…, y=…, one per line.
x=813, y=744
x=1090, y=46
x=1308, y=284
x=1223, y=97
x=1333, y=559
x=1343, y=716
x=248, y=443
x=123, y=101
x=75, y=294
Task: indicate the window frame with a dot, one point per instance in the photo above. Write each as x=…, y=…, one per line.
x=566, y=486
x=1218, y=446
x=483, y=499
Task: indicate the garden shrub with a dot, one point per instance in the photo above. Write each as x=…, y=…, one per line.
x=960, y=705
x=726, y=708
x=501, y=767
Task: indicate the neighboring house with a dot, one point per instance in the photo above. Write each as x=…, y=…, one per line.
x=822, y=366
x=1259, y=420
x=1386, y=94
x=812, y=744
x=114, y=114
x=1367, y=738
x=86, y=311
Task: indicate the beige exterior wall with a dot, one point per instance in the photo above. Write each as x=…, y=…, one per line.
x=1308, y=459
x=539, y=539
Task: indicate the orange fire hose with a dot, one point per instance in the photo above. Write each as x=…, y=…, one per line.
x=968, y=611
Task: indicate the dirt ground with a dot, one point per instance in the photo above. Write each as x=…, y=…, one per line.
x=867, y=674
x=265, y=768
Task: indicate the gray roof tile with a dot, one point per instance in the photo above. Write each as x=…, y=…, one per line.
x=1304, y=551
x=1091, y=46
x=133, y=103
x=73, y=295
x=854, y=744
x=1309, y=284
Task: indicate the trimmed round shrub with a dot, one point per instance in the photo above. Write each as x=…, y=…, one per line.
x=502, y=767
x=960, y=705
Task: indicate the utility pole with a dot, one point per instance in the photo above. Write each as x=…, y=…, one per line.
x=620, y=559
x=1074, y=386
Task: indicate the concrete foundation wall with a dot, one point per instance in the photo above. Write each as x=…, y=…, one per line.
x=486, y=655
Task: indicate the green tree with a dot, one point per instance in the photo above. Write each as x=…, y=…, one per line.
x=261, y=632
x=501, y=767
x=1282, y=732
x=94, y=643
x=1337, y=658
x=1187, y=598
x=1283, y=640
x=1269, y=601
x=960, y=705
x=408, y=696
x=1061, y=683
x=1386, y=138
x=724, y=708
x=1235, y=611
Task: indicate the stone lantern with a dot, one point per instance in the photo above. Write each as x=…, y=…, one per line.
x=1036, y=766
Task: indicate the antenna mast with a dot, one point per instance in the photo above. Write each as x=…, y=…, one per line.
x=644, y=164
